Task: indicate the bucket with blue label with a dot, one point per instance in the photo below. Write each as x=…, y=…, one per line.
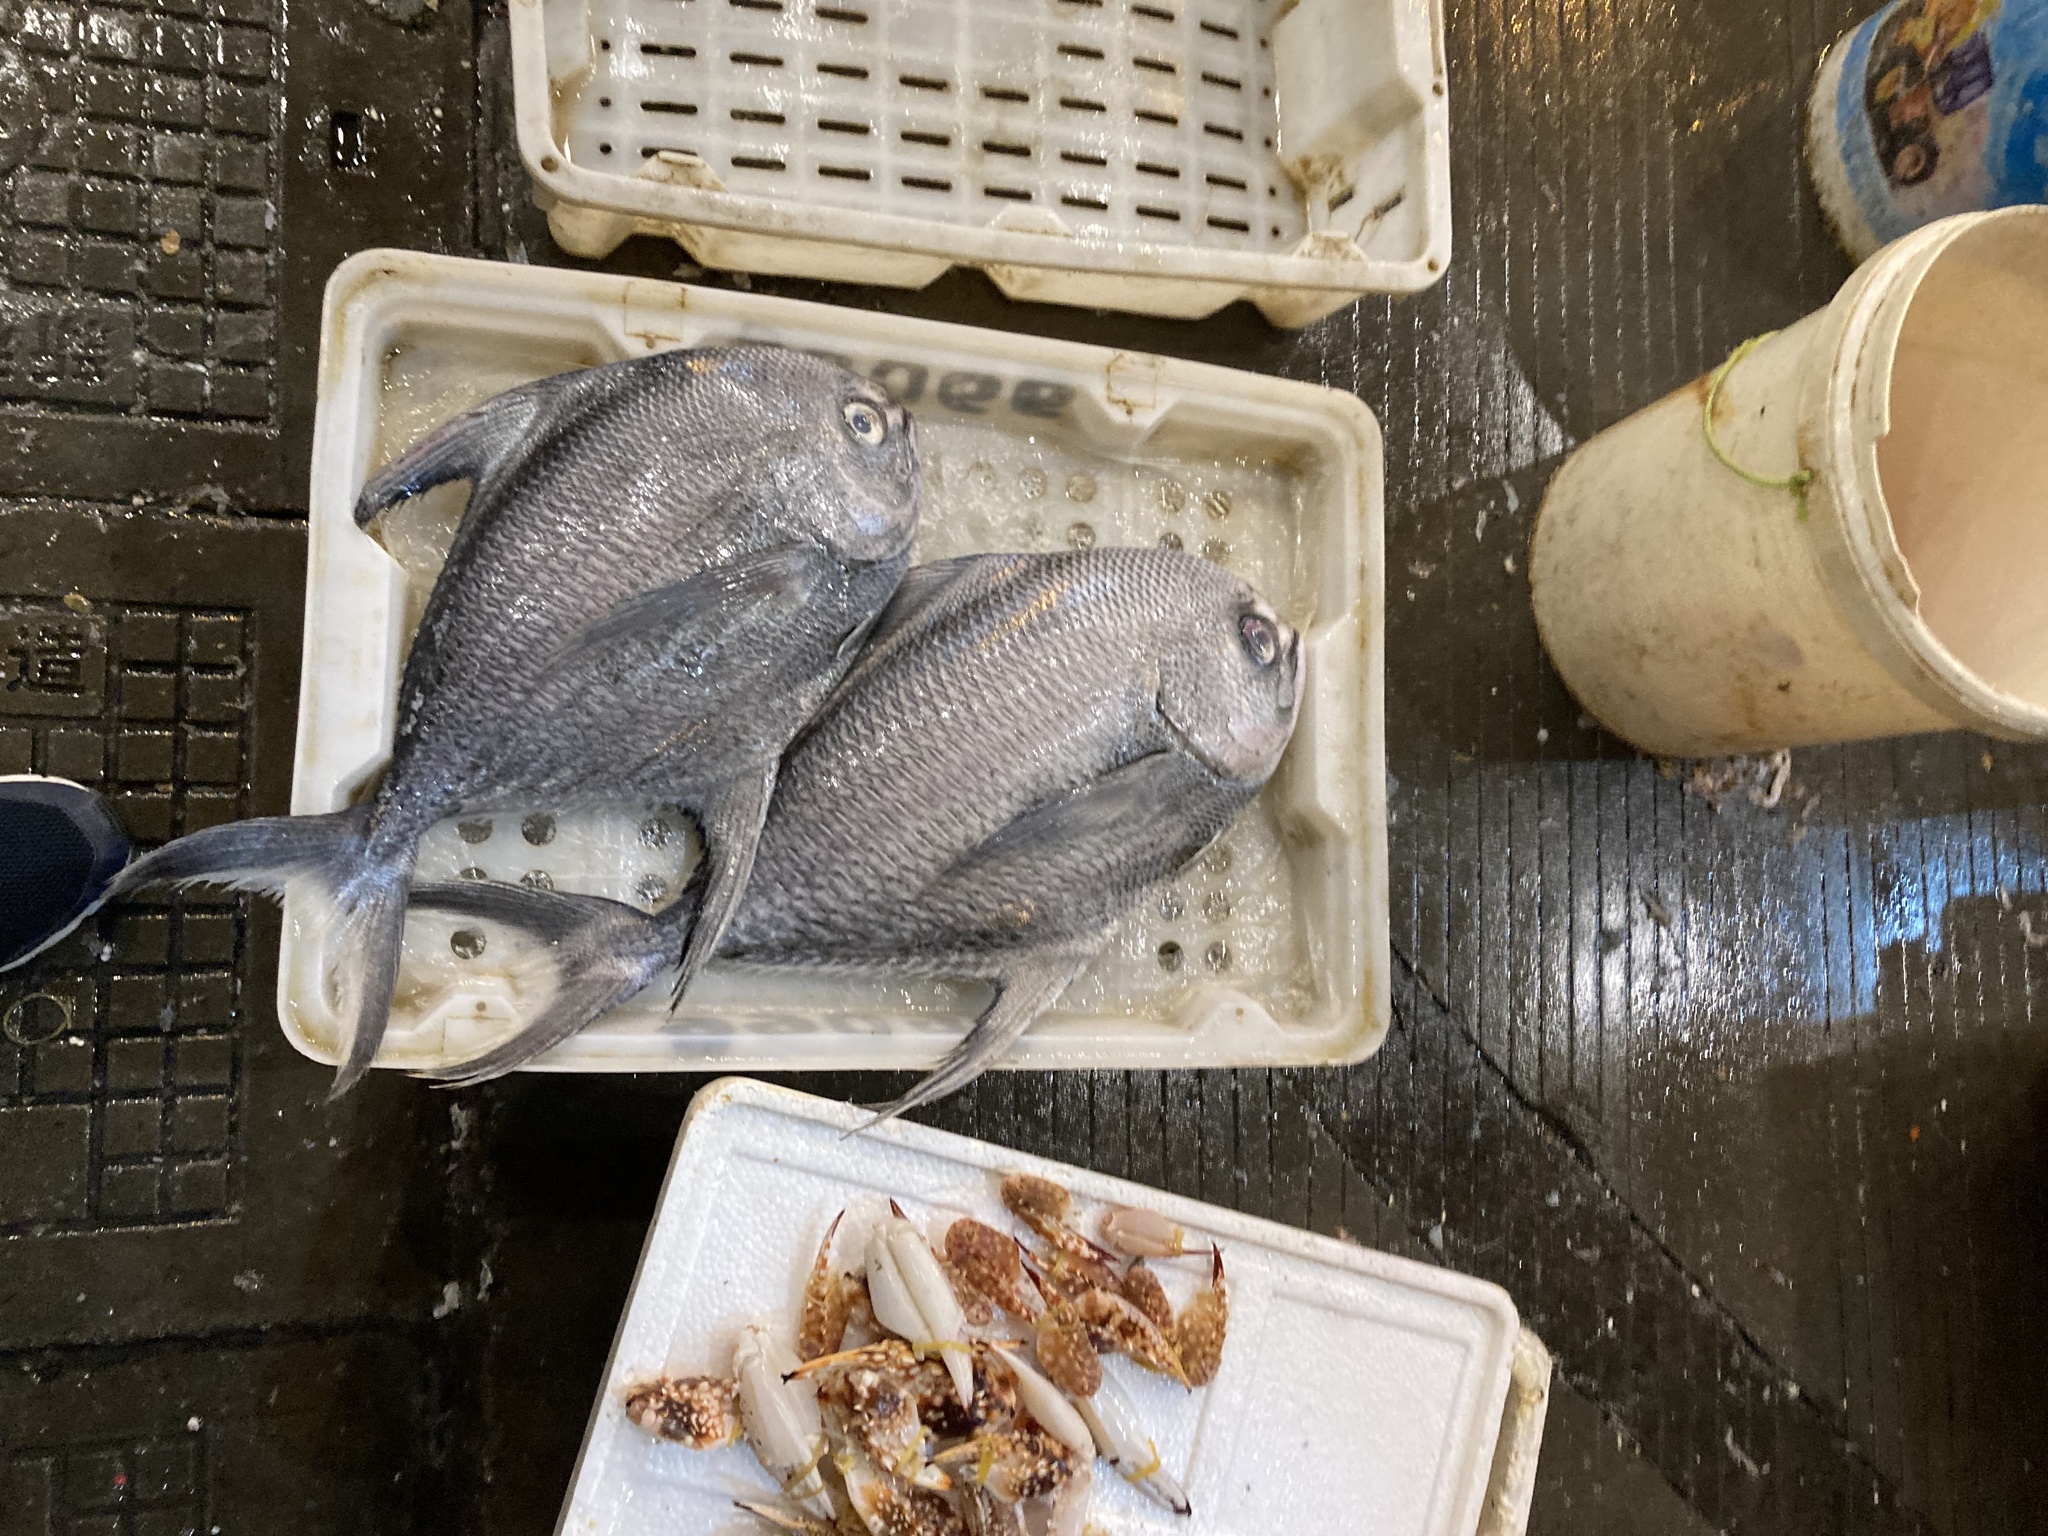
x=1929, y=108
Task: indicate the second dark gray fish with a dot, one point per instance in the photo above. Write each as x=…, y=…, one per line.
x=1027, y=743
x=664, y=566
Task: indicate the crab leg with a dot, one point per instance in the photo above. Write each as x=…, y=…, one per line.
x=821, y=1327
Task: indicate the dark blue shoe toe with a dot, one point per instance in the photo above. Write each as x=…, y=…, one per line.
x=60, y=847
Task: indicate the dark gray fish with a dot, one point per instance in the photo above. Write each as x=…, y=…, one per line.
x=1027, y=743
x=664, y=566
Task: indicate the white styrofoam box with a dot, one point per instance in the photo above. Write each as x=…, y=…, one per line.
x=1164, y=156
x=1272, y=950
x=1359, y=1391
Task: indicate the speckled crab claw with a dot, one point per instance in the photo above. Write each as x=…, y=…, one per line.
x=1121, y=1441
x=913, y=1298
x=1204, y=1322
x=779, y=1414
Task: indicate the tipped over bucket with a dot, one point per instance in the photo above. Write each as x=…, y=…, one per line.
x=1853, y=542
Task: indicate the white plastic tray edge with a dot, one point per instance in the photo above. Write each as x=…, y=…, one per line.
x=1523, y=1396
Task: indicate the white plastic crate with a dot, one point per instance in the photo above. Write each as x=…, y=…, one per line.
x=1164, y=156
x=1359, y=1392
x=1272, y=950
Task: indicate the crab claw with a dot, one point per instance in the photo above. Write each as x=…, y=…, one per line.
x=913, y=1299
x=1050, y=1406
x=1143, y=1234
x=1123, y=1443
x=779, y=1413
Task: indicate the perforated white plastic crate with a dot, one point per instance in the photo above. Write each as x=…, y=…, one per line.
x=1272, y=950
x=1164, y=156
x=1359, y=1392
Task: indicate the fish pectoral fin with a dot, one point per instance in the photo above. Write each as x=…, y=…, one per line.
x=461, y=448
x=1025, y=991
x=601, y=952
x=1138, y=798
x=716, y=607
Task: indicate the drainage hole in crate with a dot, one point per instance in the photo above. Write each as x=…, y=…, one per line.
x=924, y=82
x=1145, y=211
x=927, y=183
x=997, y=147
x=1157, y=66
x=1094, y=4
x=919, y=136
x=1083, y=157
x=668, y=50
x=1225, y=81
x=844, y=71
x=840, y=13
x=1341, y=198
x=1218, y=130
x=1238, y=226
x=604, y=45
x=841, y=125
x=604, y=149
x=1154, y=13
x=1152, y=168
x=755, y=115
x=758, y=163
x=1004, y=93
x=1216, y=180
x=1082, y=104
x=1079, y=51
x=673, y=108
x=1217, y=29
x=1085, y=202
x=846, y=172
x=755, y=5
x=1151, y=116
x=764, y=60
x=649, y=151
x=604, y=101
x=1009, y=194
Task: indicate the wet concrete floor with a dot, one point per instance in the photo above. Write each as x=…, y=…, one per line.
x=1746, y=1104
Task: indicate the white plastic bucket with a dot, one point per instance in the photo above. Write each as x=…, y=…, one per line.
x=1696, y=608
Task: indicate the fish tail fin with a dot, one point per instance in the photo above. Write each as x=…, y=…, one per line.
x=257, y=855
x=600, y=952
x=1020, y=998
x=732, y=833
x=370, y=920
x=362, y=897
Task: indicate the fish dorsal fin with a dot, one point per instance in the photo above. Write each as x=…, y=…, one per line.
x=462, y=448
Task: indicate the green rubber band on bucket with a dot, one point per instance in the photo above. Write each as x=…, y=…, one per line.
x=1798, y=480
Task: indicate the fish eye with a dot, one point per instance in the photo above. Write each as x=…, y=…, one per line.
x=865, y=423
x=1261, y=640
